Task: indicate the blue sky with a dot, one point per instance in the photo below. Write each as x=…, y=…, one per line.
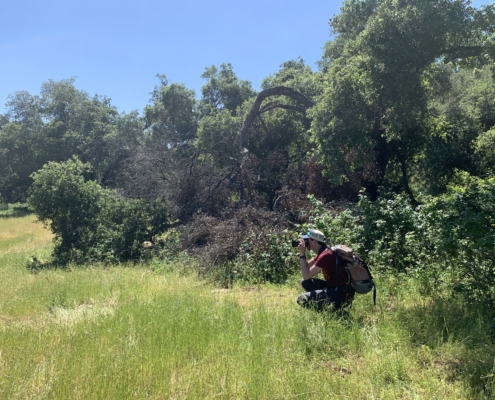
x=116, y=48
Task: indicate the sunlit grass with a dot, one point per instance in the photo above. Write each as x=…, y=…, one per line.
x=140, y=332
x=18, y=235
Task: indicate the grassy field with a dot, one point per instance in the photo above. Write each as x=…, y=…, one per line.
x=151, y=332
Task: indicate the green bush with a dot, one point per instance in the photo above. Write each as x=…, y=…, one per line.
x=91, y=223
x=449, y=239
x=384, y=232
x=485, y=151
x=14, y=209
x=460, y=225
x=263, y=258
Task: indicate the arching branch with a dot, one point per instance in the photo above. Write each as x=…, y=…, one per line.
x=273, y=91
x=275, y=104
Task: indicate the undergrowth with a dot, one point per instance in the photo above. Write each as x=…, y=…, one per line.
x=157, y=331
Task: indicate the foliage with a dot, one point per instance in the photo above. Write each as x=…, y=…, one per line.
x=449, y=239
x=264, y=257
x=462, y=113
x=461, y=227
x=297, y=75
x=221, y=109
x=171, y=119
x=449, y=146
x=219, y=135
x=88, y=221
x=60, y=123
x=485, y=151
x=376, y=94
x=284, y=130
x=223, y=90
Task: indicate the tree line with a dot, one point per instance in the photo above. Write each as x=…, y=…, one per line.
x=402, y=100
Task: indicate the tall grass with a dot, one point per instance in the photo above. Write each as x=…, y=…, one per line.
x=152, y=332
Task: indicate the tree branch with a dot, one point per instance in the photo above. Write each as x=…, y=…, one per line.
x=273, y=91
x=463, y=52
x=271, y=106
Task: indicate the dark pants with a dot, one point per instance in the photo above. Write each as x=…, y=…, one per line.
x=319, y=296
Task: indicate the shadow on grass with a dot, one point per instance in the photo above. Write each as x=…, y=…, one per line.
x=342, y=314
x=468, y=331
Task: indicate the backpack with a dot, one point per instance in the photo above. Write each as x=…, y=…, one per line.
x=359, y=274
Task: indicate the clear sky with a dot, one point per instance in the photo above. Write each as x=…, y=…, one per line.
x=116, y=48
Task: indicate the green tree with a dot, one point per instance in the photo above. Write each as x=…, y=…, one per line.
x=78, y=125
x=461, y=109
x=280, y=128
x=219, y=135
x=19, y=157
x=21, y=145
x=172, y=118
x=91, y=223
x=275, y=125
x=220, y=110
x=223, y=90
x=68, y=203
x=62, y=122
x=375, y=103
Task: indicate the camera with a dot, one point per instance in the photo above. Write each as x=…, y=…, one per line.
x=295, y=243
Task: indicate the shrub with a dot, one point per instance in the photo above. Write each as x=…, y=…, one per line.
x=460, y=225
x=485, y=151
x=268, y=257
x=450, y=239
x=91, y=223
x=383, y=232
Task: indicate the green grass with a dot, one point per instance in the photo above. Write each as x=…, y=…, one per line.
x=153, y=332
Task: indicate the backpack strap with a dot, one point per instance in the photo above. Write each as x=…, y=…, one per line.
x=349, y=279
x=374, y=284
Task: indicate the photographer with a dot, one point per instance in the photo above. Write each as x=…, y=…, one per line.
x=334, y=291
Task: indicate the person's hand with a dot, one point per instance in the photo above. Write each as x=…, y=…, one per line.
x=302, y=247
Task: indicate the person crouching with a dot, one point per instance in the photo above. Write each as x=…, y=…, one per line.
x=331, y=293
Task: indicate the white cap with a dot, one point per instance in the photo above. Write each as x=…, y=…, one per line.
x=314, y=234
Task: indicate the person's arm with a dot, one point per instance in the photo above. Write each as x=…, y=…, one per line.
x=311, y=262
x=308, y=269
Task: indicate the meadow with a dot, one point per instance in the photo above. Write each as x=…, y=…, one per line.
x=157, y=331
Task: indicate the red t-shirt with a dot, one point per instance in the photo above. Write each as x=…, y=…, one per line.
x=334, y=273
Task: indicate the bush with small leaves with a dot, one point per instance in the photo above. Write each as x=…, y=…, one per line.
x=91, y=223
x=448, y=241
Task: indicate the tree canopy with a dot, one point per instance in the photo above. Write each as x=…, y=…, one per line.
x=402, y=100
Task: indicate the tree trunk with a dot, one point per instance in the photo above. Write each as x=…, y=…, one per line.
x=381, y=157
x=405, y=178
